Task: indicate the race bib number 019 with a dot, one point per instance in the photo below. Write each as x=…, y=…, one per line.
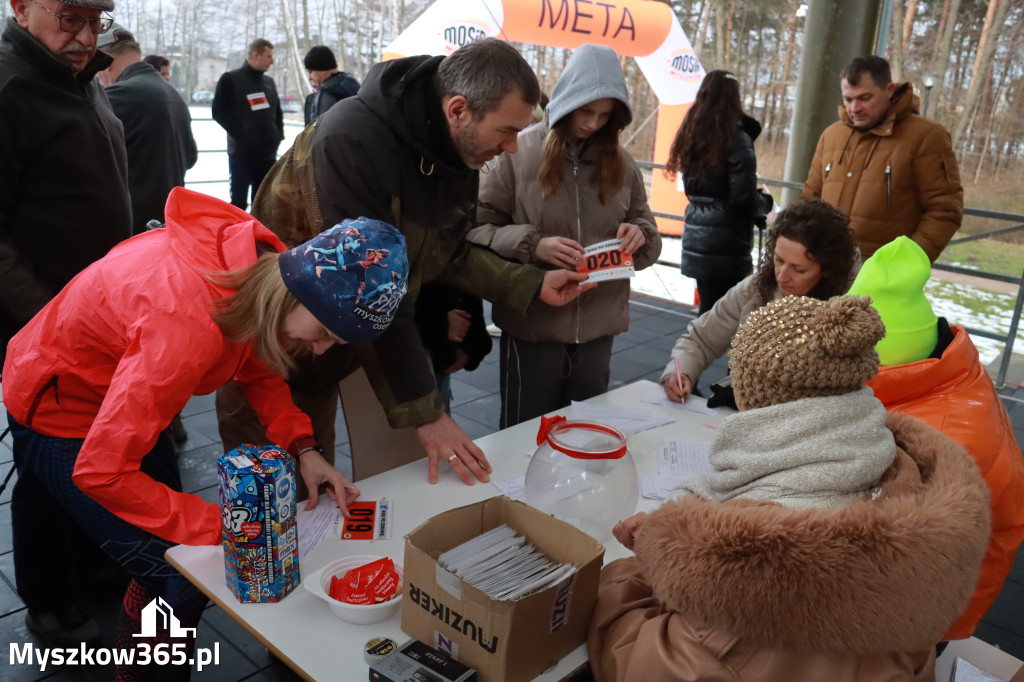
x=605, y=260
x=367, y=520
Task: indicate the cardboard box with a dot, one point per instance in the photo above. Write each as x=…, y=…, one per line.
x=506, y=641
x=982, y=656
x=260, y=538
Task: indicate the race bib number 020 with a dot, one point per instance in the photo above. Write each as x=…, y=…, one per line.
x=605, y=260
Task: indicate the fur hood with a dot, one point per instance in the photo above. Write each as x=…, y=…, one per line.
x=831, y=580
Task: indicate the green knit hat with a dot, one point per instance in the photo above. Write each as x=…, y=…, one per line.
x=894, y=278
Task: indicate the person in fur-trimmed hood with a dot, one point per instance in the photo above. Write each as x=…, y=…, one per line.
x=831, y=540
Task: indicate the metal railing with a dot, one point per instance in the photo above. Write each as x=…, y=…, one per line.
x=1007, y=339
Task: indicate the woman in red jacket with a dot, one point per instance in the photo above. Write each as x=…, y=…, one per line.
x=93, y=380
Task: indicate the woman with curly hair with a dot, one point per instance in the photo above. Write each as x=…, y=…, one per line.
x=714, y=150
x=809, y=252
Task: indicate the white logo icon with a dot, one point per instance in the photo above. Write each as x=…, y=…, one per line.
x=160, y=610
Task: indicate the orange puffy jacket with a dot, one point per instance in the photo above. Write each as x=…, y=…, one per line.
x=116, y=354
x=955, y=395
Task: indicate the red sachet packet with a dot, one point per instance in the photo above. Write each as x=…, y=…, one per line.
x=368, y=584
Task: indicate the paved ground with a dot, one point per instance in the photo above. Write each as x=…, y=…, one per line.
x=638, y=354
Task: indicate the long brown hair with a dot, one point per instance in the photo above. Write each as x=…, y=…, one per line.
x=609, y=165
x=255, y=312
x=825, y=232
x=702, y=143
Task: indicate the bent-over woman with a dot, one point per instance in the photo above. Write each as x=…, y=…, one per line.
x=92, y=382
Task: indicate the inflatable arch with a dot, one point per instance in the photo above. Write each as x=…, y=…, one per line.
x=647, y=31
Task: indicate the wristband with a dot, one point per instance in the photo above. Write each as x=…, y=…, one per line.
x=300, y=445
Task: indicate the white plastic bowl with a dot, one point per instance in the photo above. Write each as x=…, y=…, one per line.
x=319, y=583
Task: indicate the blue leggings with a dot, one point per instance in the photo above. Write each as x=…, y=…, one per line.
x=48, y=513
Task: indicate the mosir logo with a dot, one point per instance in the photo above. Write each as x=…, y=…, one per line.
x=684, y=65
x=463, y=32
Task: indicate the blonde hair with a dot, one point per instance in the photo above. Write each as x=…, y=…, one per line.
x=255, y=313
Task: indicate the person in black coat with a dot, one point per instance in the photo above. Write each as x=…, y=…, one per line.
x=247, y=107
x=157, y=126
x=714, y=150
x=331, y=85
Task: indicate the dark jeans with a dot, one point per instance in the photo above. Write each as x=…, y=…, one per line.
x=246, y=174
x=537, y=378
x=49, y=514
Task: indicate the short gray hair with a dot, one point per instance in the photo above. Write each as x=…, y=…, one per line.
x=484, y=72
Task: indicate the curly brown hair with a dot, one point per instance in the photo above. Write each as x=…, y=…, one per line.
x=825, y=232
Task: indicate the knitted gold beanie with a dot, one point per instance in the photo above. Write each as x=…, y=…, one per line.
x=800, y=347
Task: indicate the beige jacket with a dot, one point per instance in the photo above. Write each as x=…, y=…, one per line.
x=708, y=337
x=513, y=217
x=751, y=591
x=898, y=178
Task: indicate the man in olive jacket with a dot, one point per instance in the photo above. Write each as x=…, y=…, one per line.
x=407, y=150
x=892, y=171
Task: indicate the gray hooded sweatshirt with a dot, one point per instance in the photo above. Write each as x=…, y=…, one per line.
x=514, y=216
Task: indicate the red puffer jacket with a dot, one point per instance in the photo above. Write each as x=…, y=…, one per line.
x=955, y=395
x=121, y=349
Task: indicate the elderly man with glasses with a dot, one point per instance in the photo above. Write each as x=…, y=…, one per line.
x=63, y=204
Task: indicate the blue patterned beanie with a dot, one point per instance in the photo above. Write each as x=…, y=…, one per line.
x=351, y=277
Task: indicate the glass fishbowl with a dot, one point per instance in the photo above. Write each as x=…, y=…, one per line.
x=583, y=474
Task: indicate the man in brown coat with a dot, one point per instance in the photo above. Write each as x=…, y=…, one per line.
x=892, y=171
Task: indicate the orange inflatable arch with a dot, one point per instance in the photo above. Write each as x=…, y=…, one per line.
x=647, y=31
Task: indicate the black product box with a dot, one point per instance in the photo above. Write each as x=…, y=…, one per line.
x=416, y=662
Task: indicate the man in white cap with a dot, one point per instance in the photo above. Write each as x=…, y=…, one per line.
x=63, y=204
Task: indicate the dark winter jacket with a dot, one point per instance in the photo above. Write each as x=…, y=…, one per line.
x=387, y=154
x=158, y=134
x=334, y=89
x=64, y=195
x=719, y=231
x=246, y=105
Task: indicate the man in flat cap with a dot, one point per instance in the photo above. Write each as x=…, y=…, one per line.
x=63, y=204
x=157, y=126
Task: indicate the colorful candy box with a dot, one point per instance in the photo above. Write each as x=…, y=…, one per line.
x=260, y=538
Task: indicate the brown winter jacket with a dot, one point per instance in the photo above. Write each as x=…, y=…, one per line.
x=898, y=178
x=755, y=591
x=514, y=216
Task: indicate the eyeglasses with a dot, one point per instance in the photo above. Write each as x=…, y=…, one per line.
x=72, y=23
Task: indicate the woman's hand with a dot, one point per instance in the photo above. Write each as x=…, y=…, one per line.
x=625, y=531
x=632, y=238
x=677, y=389
x=559, y=251
x=317, y=471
